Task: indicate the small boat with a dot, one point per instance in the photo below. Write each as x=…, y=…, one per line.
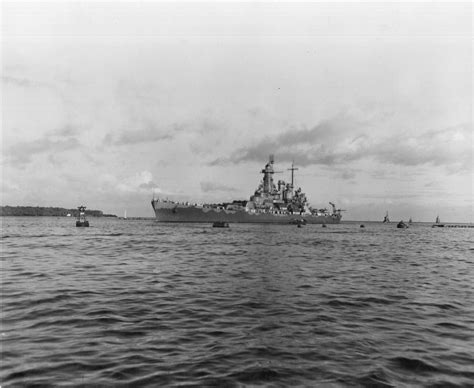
x=402, y=225
x=362, y=225
x=410, y=221
x=386, y=219
x=437, y=223
x=81, y=218
x=220, y=224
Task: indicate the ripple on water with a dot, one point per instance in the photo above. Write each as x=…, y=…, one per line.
x=161, y=305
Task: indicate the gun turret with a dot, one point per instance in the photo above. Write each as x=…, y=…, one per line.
x=336, y=211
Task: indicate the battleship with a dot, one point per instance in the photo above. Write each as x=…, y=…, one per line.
x=271, y=203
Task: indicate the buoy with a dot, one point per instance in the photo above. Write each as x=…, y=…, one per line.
x=402, y=225
x=220, y=224
x=81, y=218
x=301, y=221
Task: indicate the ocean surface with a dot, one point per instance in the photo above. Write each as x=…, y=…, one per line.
x=137, y=303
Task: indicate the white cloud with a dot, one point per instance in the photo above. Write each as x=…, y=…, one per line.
x=140, y=182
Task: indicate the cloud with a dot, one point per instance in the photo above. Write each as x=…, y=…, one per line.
x=208, y=187
x=340, y=141
x=206, y=134
x=347, y=174
x=255, y=111
x=22, y=153
x=150, y=134
x=23, y=82
x=148, y=131
x=140, y=182
x=66, y=131
x=450, y=147
x=136, y=137
x=209, y=125
x=317, y=145
x=149, y=185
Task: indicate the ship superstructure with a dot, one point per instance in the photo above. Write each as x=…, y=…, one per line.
x=270, y=203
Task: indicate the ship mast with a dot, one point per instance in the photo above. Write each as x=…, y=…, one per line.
x=292, y=169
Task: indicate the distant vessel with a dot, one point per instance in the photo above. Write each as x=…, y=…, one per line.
x=437, y=223
x=386, y=219
x=410, y=221
x=270, y=203
x=81, y=217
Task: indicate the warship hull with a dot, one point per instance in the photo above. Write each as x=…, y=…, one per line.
x=166, y=213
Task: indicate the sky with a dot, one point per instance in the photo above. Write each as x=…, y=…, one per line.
x=112, y=104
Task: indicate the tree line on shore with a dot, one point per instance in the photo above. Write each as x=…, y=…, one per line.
x=38, y=211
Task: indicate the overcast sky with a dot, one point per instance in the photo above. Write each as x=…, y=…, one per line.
x=108, y=104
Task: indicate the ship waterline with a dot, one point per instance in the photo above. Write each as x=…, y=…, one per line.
x=183, y=213
x=271, y=203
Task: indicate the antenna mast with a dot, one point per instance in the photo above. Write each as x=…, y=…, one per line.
x=292, y=169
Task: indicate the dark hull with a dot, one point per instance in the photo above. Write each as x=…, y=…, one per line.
x=197, y=214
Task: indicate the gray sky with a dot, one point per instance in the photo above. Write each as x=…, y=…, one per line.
x=107, y=103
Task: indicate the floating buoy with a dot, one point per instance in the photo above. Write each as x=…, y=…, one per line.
x=220, y=224
x=298, y=222
x=362, y=226
x=81, y=218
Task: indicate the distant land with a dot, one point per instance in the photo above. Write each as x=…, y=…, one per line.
x=38, y=211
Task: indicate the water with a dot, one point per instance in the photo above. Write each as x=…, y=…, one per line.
x=136, y=303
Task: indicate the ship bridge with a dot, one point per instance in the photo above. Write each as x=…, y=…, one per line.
x=268, y=171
